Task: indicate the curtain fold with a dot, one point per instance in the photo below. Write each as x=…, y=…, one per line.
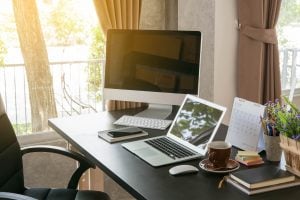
x=119, y=14
x=260, y=34
x=258, y=60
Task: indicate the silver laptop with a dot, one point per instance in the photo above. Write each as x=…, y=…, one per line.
x=195, y=125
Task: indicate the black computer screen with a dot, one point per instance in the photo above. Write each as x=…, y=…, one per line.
x=158, y=61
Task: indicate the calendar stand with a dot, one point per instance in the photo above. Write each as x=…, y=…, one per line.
x=245, y=131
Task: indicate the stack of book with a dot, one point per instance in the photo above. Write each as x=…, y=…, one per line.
x=262, y=179
x=249, y=158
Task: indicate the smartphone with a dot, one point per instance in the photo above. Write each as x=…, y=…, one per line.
x=120, y=132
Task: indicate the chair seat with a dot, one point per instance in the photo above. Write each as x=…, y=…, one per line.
x=65, y=194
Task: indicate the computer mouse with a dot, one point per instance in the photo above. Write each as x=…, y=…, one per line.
x=183, y=169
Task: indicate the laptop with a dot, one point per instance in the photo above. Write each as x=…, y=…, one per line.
x=195, y=125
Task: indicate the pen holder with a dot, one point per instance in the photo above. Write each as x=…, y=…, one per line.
x=272, y=147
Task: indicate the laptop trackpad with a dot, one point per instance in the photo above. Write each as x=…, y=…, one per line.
x=146, y=152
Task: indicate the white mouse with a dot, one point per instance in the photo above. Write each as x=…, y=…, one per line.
x=183, y=169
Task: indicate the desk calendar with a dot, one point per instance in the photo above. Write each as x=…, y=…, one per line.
x=245, y=130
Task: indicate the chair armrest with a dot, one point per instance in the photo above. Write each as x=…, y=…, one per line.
x=84, y=163
x=14, y=196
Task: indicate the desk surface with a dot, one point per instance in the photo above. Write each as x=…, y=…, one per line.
x=136, y=176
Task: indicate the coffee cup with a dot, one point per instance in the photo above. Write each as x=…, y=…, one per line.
x=219, y=153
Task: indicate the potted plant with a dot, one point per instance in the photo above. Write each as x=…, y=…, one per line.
x=287, y=122
x=271, y=134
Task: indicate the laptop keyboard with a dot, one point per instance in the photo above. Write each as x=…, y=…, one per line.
x=169, y=148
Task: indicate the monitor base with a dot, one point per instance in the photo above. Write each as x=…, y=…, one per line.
x=156, y=111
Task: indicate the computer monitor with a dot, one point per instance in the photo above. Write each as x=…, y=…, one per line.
x=153, y=66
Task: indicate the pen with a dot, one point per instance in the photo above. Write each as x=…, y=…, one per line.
x=273, y=130
x=270, y=129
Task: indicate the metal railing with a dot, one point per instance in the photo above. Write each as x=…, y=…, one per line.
x=290, y=70
x=75, y=92
x=76, y=85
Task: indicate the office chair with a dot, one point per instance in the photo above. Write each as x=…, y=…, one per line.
x=11, y=169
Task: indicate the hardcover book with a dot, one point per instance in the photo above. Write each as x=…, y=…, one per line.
x=262, y=176
x=248, y=191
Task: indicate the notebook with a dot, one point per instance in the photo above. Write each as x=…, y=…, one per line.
x=194, y=126
x=262, y=176
x=248, y=191
x=104, y=135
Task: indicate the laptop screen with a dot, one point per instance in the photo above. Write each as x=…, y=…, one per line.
x=196, y=122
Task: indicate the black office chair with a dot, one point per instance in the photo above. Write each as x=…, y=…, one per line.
x=11, y=169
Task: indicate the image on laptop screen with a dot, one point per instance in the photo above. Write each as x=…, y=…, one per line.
x=196, y=122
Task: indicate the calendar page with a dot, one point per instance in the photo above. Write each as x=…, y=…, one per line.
x=245, y=131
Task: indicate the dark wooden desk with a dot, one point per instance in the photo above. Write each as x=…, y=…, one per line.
x=140, y=179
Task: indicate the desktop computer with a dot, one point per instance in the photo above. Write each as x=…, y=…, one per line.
x=158, y=67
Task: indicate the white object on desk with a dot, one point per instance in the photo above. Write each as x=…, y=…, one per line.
x=245, y=131
x=143, y=122
x=183, y=169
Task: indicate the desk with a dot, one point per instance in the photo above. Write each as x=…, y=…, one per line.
x=140, y=179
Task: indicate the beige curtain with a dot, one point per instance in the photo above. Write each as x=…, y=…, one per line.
x=258, y=60
x=119, y=14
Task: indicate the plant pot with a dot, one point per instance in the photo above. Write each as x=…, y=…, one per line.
x=272, y=147
x=291, y=149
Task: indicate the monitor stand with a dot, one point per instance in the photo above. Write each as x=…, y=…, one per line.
x=156, y=111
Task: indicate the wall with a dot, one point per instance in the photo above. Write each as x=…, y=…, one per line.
x=199, y=15
x=217, y=21
x=225, y=55
x=171, y=9
x=153, y=15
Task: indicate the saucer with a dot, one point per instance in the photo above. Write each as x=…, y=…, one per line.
x=232, y=165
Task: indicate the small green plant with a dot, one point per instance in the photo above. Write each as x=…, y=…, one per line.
x=288, y=120
x=285, y=119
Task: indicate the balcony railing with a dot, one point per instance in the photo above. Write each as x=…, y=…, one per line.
x=76, y=87
x=75, y=92
x=290, y=70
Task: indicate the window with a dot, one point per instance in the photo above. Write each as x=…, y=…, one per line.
x=289, y=45
x=75, y=53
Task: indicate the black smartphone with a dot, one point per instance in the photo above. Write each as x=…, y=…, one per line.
x=120, y=132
